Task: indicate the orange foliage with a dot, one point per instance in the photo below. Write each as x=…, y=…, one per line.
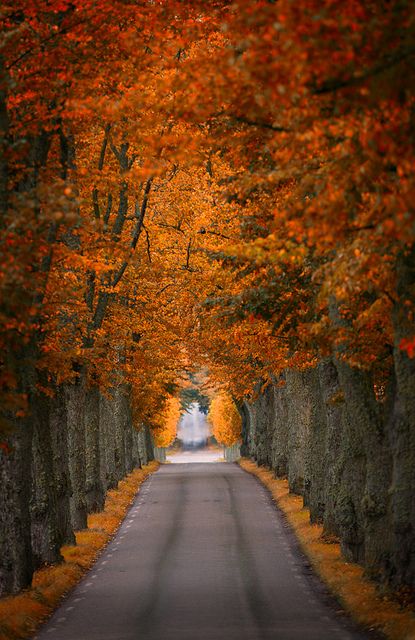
x=223, y=229
x=225, y=419
x=164, y=423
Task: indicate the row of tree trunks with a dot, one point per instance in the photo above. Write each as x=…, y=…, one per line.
x=350, y=455
x=63, y=457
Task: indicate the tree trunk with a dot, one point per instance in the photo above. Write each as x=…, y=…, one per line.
x=94, y=492
x=107, y=440
x=364, y=416
x=148, y=440
x=16, y=562
x=315, y=472
x=401, y=431
x=129, y=436
x=59, y=435
x=121, y=424
x=244, y=428
x=264, y=423
x=75, y=407
x=280, y=432
x=45, y=531
x=299, y=411
x=332, y=399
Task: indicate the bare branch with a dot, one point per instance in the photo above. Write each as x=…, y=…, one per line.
x=148, y=243
x=203, y=231
x=95, y=198
x=104, y=147
x=108, y=211
x=140, y=213
x=171, y=284
x=188, y=254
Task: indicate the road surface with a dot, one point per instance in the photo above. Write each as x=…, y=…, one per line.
x=203, y=554
x=188, y=456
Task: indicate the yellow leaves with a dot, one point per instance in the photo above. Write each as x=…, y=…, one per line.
x=299, y=196
x=225, y=419
x=164, y=423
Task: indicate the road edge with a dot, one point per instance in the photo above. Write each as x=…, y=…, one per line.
x=21, y=615
x=345, y=580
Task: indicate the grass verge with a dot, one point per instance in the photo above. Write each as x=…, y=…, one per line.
x=20, y=615
x=357, y=594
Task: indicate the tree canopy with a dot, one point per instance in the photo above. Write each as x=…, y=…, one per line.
x=204, y=184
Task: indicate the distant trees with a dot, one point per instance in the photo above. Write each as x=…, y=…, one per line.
x=164, y=423
x=225, y=419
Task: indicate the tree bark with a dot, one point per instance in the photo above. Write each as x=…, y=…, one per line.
x=366, y=427
x=94, y=491
x=16, y=561
x=121, y=424
x=107, y=439
x=59, y=435
x=45, y=531
x=401, y=430
x=75, y=407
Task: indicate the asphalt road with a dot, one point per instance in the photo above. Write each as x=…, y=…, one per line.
x=203, y=554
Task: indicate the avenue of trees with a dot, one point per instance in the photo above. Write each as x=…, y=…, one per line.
x=221, y=185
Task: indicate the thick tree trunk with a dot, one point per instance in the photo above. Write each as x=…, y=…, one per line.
x=316, y=468
x=45, y=531
x=279, y=443
x=332, y=399
x=16, y=561
x=129, y=436
x=75, y=407
x=145, y=446
x=149, y=445
x=94, y=490
x=299, y=417
x=107, y=439
x=59, y=435
x=251, y=430
x=371, y=506
x=121, y=424
x=264, y=423
x=244, y=429
x=136, y=462
x=401, y=431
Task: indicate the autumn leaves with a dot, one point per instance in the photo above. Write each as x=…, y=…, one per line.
x=209, y=184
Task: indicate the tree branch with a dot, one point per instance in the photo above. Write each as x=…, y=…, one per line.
x=261, y=124
x=95, y=199
x=148, y=243
x=388, y=62
x=188, y=254
x=140, y=213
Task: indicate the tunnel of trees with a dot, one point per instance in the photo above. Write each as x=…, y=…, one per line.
x=208, y=185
